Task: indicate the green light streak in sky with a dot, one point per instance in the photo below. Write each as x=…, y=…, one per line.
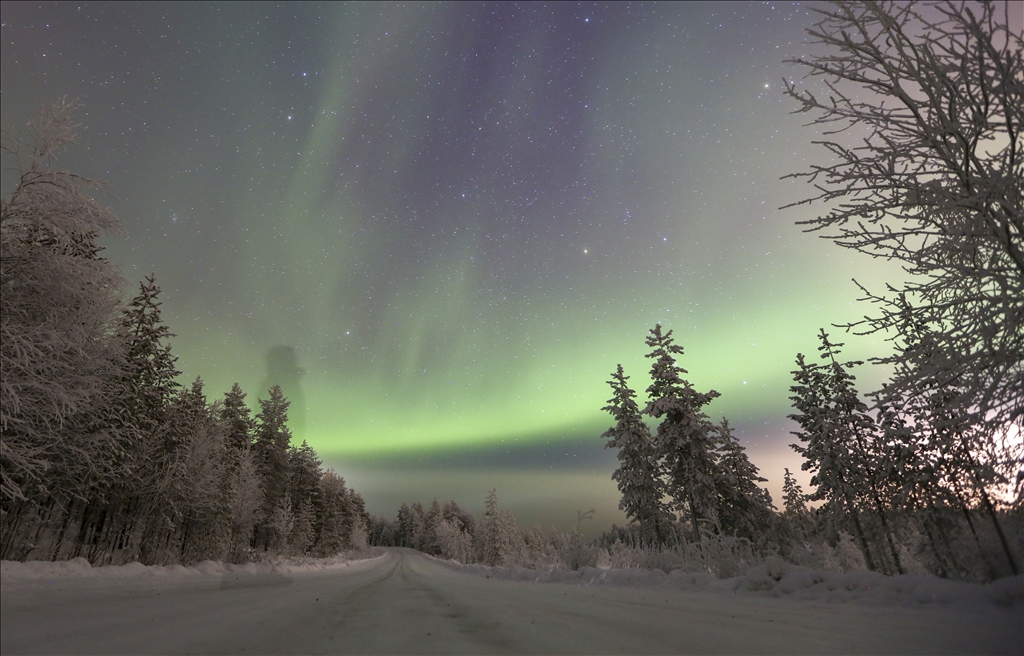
x=479, y=336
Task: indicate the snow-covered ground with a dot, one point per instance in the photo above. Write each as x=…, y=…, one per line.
x=404, y=602
x=777, y=578
x=78, y=568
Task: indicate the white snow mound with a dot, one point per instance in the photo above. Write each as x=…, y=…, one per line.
x=11, y=570
x=777, y=578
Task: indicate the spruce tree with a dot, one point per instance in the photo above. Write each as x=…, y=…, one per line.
x=795, y=506
x=684, y=434
x=235, y=413
x=148, y=392
x=744, y=507
x=149, y=367
x=968, y=460
x=829, y=451
x=271, y=450
x=334, y=522
x=639, y=474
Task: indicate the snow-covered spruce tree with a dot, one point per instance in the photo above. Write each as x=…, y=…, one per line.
x=795, y=507
x=498, y=540
x=149, y=371
x=826, y=452
x=243, y=478
x=912, y=473
x=337, y=515
x=245, y=502
x=304, y=474
x=58, y=304
x=415, y=526
x=453, y=542
x=836, y=429
x=148, y=389
x=921, y=107
x=967, y=461
x=454, y=533
x=197, y=480
x=459, y=516
x=431, y=519
x=684, y=434
x=404, y=526
x=235, y=413
x=271, y=450
x=744, y=507
x=639, y=473
x=127, y=512
x=864, y=444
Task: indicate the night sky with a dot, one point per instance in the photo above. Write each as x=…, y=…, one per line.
x=457, y=219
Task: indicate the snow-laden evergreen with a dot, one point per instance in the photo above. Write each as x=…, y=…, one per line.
x=104, y=455
x=684, y=440
x=639, y=473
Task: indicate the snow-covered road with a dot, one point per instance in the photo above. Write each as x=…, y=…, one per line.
x=406, y=603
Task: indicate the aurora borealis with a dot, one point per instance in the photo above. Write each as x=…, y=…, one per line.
x=460, y=216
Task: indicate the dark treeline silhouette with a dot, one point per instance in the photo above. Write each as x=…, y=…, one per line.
x=104, y=454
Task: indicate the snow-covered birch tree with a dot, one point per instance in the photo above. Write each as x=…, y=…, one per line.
x=920, y=107
x=58, y=306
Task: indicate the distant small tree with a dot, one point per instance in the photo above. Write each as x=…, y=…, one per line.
x=795, y=506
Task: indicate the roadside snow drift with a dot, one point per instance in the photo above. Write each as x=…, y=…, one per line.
x=777, y=578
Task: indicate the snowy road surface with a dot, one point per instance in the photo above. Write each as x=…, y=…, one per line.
x=406, y=603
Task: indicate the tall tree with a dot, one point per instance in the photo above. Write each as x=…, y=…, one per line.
x=828, y=450
x=968, y=460
x=58, y=304
x=684, y=434
x=149, y=369
x=271, y=449
x=639, y=472
x=921, y=108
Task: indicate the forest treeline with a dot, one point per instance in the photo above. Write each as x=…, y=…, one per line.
x=104, y=455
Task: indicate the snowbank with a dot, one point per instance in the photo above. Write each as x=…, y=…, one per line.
x=80, y=568
x=777, y=578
